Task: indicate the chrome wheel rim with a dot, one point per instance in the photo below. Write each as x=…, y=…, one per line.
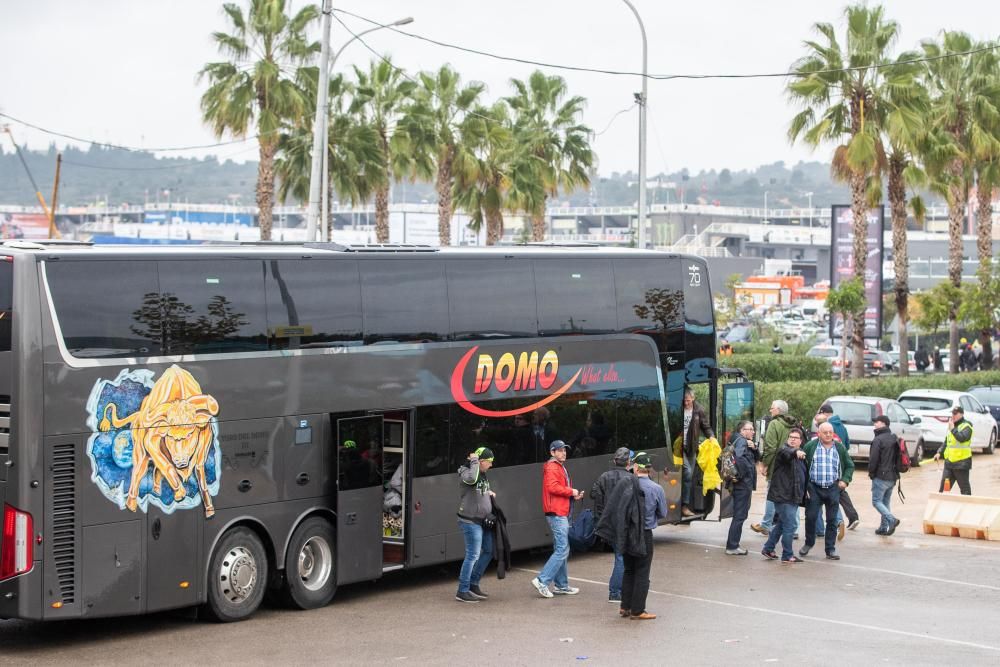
x=315, y=563
x=238, y=575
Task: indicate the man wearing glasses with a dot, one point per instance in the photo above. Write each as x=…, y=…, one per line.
x=747, y=456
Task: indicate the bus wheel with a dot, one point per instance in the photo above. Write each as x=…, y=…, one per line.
x=310, y=575
x=237, y=578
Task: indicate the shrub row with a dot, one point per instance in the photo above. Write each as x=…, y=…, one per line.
x=781, y=367
x=805, y=397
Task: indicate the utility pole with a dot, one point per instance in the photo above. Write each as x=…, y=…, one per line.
x=642, y=100
x=319, y=137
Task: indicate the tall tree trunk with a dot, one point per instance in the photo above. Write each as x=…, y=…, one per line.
x=494, y=227
x=265, y=187
x=443, y=185
x=957, y=200
x=859, y=209
x=984, y=246
x=382, y=214
x=538, y=222
x=897, y=206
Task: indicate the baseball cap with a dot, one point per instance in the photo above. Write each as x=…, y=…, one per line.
x=484, y=454
x=642, y=460
x=622, y=455
x=557, y=444
x=826, y=409
x=882, y=419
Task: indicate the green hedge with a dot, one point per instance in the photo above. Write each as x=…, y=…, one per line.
x=751, y=348
x=781, y=367
x=805, y=397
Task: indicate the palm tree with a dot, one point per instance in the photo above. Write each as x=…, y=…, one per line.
x=383, y=94
x=355, y=161
x=963, y=117
x=256, y=86
x=442, y=103
x=485, y=174
x=905, y=130
x=546, y=124
x=842, y=90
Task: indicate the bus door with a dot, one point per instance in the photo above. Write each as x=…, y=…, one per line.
x=395, y=496
x=737, y=405
x=359, y=498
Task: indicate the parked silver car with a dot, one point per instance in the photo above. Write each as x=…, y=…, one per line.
x=858, y=414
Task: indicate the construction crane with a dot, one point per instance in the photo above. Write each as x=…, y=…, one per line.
x=50, y=213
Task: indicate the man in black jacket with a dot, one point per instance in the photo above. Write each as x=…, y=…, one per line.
x=696, y=428
x=882, y=462
x=601, y=490
x=786, y=490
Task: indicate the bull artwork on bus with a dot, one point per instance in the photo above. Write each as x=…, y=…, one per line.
x=146, y=433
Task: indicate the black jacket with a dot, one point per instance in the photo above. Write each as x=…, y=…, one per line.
x=699, y=424
x=501, y=541
x=788, y=481
x=746, y=460
x=603, y=486
x=883, y=455
x=623, y=521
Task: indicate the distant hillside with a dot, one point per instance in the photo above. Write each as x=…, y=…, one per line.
x=118, y=177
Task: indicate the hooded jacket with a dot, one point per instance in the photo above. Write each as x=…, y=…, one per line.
x=788, y=481
x=840, y=430
x=474, y=503
x=775, y=437
x=883, y=455
x=622, y=523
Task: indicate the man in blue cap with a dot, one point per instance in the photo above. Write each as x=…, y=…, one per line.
x=475, y=506
x=557, y=492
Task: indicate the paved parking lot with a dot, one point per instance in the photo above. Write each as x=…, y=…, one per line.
x=908, y=599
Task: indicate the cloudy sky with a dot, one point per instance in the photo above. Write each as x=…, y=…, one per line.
x=125, y=71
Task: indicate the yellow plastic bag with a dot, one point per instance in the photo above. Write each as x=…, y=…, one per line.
x=709, y=452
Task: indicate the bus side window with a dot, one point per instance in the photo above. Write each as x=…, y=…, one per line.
x=313, y=303
x=659, y=310
x=404, y=300
x=575, y=297
x=491, y=299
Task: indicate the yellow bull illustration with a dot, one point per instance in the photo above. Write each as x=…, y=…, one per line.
x=172, y=428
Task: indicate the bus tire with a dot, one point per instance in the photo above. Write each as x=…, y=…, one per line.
x=311, y=565
x=237, y=576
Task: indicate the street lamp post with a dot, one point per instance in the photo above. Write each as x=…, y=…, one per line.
x=321, y=119
x=641, y=99
x=810, y=195
x=765, y=220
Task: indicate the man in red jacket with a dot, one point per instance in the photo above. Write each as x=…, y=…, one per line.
x=557, y=491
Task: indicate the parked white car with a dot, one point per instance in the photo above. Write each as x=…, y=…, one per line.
x=858, y=414
x=934, y=406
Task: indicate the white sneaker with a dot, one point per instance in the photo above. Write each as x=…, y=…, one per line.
x=542, y=589
x=569, y=590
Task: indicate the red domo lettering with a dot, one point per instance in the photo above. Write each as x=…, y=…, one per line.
x=505, y=372
x=527, y=371
x=548, y=369
x=484, y=373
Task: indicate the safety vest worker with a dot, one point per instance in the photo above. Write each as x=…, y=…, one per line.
x=957, y=452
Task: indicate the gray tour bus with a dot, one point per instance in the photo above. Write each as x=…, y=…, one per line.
x=192, y=426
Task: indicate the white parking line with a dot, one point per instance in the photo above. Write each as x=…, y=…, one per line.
x=805, y=617
x=908, y=575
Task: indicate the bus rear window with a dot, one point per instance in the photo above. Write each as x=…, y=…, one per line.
x=6, y=301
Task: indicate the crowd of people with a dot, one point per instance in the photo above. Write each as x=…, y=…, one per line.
x=802, y=469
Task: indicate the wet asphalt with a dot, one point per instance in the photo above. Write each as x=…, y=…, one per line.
x=910, y=599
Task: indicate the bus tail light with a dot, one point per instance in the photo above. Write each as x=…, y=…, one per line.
x=15, y=543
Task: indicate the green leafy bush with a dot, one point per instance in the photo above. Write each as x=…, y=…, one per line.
x=804, y=397
x=781, y=367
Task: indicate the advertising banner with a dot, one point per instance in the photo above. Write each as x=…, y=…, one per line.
x=842, y=264
x=24, y=226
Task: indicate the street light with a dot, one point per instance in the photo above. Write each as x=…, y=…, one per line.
x=810, y=195
x=765, y=220
x=320, y=119
x=641, y=99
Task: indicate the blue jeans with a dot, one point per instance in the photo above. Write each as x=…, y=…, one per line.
x=829, y=499
x=555, y=567
x=881, y=497
x=786, y=520
x=821, y=522
x=478, y=554
x=615, y=583
x=768, y=520
x=686, y=474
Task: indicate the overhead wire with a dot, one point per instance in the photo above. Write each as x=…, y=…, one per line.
x=656, y=77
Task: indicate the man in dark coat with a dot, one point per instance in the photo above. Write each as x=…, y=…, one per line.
x=747, y=457
x=921, y=359
x=696, y=428
x=602, y=488
x=787, y=490
x=882, y=460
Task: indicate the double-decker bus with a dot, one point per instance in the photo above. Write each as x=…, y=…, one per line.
x=192, y=426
